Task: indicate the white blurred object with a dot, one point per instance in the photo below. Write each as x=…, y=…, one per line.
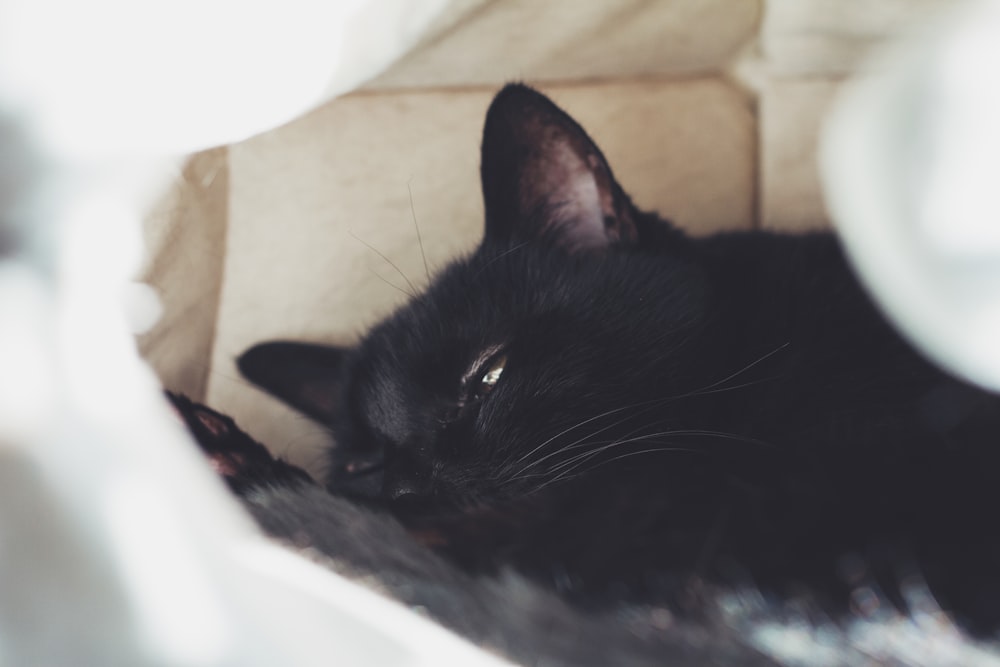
x=113, y=77
x=911, y=166
x=118, y=546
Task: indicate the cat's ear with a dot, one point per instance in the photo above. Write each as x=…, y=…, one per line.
x=543, y=177
x=303, y=375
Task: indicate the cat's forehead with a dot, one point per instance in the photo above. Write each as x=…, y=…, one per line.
x=500, y=294
x=475, y=304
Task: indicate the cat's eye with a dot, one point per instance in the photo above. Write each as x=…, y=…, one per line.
x=490, y=376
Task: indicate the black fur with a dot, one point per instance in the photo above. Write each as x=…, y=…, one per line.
x=679, y=423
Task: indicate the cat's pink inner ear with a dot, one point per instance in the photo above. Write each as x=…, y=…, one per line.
x=568, y=188
x=543, y=177
x=586, y=211
x=581, y=198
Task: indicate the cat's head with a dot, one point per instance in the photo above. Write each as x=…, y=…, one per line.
x=550, y=349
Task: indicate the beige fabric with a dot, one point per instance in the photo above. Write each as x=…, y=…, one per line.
x=186, y=244
x=816, y=38
x=708, y=111
x=568, y=40
x=791, y=112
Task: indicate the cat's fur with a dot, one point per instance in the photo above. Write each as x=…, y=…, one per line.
x=689, y=444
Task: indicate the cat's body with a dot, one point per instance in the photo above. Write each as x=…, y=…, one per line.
x=671, y=443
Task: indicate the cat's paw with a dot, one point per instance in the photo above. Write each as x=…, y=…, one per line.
x=242, y=462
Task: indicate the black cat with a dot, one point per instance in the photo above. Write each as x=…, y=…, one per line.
x=610, y=443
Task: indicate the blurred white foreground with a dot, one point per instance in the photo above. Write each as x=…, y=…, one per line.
x=117, y=545
x=911, y=166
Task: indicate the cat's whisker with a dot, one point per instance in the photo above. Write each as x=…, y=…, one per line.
x=585, y=442
x=651, y=450
x=748, y=366
x=615, y=443
x=575, y=442
x=649, y=404
x=734, y=387
x=568, y=474
x=577, y=461
x=524, y=474
x=420, y=240
x=579, y=470
x=712, y=388
x=565, y=431
x=498, y=258
x=646, y=405
x=413, y=290
x=390, y=283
